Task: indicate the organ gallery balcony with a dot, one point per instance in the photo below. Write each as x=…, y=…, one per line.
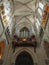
x=24, y=42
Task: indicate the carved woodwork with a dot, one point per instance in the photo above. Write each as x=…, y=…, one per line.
x=25, y=42
x=2, y=47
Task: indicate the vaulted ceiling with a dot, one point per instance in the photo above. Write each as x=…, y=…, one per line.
x=22, y=13
x=19, y=14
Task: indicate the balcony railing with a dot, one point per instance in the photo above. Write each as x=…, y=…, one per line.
x=24, y=42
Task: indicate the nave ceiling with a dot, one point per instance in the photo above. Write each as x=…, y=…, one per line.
x=23, y=11
x=20, y=13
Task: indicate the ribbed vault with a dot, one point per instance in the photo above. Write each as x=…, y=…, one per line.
x=24, y=14
x=20, y=13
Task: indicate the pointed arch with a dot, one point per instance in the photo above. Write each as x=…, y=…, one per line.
x=24, y=58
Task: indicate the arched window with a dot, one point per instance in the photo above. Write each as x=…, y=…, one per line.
x=24, y=32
